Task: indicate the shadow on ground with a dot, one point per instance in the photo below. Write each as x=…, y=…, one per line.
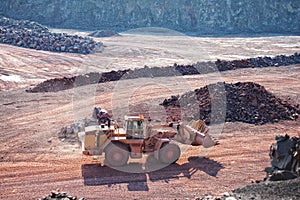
x=95, y=174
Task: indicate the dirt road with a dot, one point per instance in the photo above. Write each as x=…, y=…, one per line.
x=34, y=161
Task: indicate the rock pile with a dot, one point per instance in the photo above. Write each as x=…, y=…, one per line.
x=70, y=132
x=288, y=189
x=103, y=33
x=58, y=84
x=27, y=34
x=245, y=101
x=224, y=197
x=55, y=195
x=280, y=60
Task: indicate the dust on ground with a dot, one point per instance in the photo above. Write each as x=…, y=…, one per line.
x=34, y=161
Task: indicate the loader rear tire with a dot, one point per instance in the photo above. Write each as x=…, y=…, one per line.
x=169, y=153
x=116, y=155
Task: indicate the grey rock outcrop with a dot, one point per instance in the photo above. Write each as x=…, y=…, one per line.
x=207, y=16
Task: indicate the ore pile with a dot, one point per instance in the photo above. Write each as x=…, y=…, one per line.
x=103, y=33
x=55, y=195
x=245, y=102
x=32, y=35
x=259, y=62
x=58, y=84
x=262, y=190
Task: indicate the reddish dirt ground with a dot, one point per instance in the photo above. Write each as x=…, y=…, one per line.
x=34, y=161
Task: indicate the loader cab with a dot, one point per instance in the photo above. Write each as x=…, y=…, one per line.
x=134, y=127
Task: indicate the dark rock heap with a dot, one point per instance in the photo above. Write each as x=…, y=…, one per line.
x=259, y=62
x=245, y=101
x=27, y=34
x=58, y=84
x=56, y=195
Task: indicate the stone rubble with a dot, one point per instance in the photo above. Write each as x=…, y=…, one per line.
x=103, y=33
x=285, y=158
x=58, y=84
x=70, y=132
x=259, y=62
x=56, y=195
x=243, y=101
x=28, y=34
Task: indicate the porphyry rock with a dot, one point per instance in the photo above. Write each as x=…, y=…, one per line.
x=243, y=101
x=64, y=83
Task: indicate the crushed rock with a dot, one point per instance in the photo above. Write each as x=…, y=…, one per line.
x=243, y=101
x=58, y=84
x=71, y=131
x=28, y=34
x=56, y=195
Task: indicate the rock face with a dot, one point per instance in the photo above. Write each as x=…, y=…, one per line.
x=207, y=16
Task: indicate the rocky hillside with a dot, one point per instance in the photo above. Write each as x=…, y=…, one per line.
x=207, y=16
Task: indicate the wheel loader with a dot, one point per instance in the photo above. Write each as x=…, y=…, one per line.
x=135, y=139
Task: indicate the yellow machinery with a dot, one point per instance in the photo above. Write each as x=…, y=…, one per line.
x=135, y=138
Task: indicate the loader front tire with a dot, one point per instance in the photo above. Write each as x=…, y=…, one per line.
x=116, y=155
x=169, y=153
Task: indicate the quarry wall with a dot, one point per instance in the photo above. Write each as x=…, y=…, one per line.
x=199, y=16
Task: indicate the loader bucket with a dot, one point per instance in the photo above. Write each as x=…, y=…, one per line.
x=206, y=141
